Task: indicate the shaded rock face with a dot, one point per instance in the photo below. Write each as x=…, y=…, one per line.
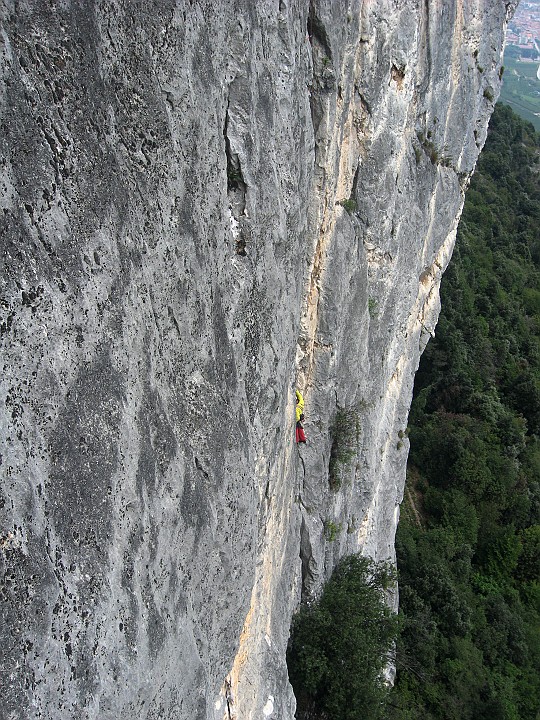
x=204, y=205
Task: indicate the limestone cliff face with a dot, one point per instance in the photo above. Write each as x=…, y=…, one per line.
x=175, y=258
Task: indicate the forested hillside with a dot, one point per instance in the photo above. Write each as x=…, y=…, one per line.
x=468, y=543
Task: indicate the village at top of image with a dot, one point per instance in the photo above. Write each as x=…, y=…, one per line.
x=524, y=30
x=521, y=78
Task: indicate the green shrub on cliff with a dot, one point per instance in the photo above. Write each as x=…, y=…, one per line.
x=344, y=432
x=341, y=644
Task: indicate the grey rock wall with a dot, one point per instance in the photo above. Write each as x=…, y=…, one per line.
x=174, y=260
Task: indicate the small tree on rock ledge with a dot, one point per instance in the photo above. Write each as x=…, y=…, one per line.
x=345, y=432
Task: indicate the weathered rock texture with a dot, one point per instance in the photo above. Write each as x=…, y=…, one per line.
x=174, y=259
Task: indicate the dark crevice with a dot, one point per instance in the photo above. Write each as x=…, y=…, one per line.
x=236, y=187
x=173, y=319
x=234, y=171
x=355, y=182
x=317, y=32
x=323, y=86
x=366, y=107
x=398, y=75
x=229, y=697
x=235, y=178
x=307, y=561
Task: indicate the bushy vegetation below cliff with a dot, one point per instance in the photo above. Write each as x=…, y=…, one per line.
x=341, y=643
x=468, y=544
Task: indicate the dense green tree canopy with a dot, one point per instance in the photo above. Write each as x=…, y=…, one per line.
x=341, y=643
x=469, y=572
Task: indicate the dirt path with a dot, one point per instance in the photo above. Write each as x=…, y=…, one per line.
x=411, y=500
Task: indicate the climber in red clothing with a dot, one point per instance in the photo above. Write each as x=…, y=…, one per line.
x=300, y=434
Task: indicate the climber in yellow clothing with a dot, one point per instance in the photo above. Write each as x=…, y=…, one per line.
x=300, y=435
